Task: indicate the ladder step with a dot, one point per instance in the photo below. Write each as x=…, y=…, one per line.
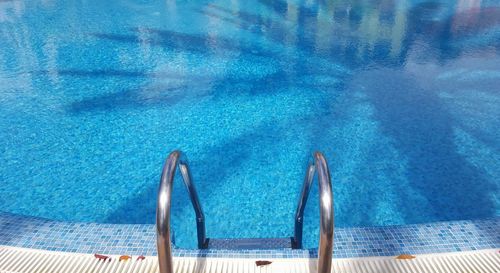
x=250, y=243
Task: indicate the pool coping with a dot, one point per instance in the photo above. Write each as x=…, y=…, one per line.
x=28, y=260
x=140, y=239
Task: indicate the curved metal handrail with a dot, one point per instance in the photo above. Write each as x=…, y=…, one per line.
x=325, y=249
x=163, y=242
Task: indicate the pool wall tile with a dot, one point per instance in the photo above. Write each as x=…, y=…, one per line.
x=133, y=239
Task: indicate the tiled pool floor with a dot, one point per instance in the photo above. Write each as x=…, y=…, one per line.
x=29, y=232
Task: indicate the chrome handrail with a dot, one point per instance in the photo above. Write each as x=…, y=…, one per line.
x=163, y=242
x=325, y=249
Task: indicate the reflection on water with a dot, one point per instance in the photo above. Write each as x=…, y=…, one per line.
x=353, y=31
x=401, y=96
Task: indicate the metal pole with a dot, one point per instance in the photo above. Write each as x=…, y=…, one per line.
x=163, y=242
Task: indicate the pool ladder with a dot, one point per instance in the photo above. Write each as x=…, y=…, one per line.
x=176, y=159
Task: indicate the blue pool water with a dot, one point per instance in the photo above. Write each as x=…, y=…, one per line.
x=402, y=97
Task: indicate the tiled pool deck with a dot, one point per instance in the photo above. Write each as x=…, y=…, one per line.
x=29, y=232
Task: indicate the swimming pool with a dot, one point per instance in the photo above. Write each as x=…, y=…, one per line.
x=401, y=97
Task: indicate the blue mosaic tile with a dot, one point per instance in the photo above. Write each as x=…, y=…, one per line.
x=118, y=239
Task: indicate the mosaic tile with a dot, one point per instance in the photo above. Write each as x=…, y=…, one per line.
x=118, y=239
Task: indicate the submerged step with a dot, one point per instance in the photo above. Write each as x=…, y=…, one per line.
x=249, y=243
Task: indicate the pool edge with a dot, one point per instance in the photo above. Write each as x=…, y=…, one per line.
x=138, y=239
